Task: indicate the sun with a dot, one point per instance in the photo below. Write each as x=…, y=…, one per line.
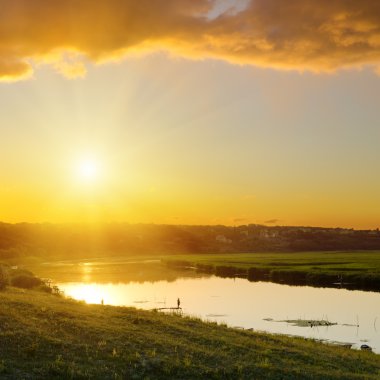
x=88, y=169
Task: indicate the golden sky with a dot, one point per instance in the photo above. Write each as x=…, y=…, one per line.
x=190, y=111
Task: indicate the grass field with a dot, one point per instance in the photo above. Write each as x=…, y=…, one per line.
x=359, y=270
x=44, y=336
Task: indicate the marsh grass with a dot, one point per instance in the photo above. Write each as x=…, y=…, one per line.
x=352, y=270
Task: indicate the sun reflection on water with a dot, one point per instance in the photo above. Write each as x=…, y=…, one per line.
x=90, y=293
x=108, y=294
x=86, y=270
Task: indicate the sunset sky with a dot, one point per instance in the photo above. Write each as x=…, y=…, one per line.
x=190, y=111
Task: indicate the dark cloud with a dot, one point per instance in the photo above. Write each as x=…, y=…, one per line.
x=292, y=34
x=304, y=34
x=272, y=221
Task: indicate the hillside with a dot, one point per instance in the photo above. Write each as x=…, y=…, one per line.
x=49, y=337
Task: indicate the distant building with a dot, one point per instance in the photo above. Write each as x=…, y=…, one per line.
x=223, y=239
x=268, y=234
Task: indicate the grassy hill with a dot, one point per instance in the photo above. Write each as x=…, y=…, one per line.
x=43, y=336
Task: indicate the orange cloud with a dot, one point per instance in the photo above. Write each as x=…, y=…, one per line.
x=11, y=70
x=292, y=34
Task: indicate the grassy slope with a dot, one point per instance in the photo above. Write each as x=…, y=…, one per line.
x=46, y=337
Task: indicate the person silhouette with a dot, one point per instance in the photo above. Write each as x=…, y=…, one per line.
x=178, y=303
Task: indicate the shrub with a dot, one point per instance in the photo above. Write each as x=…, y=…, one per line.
x=225, y=271
x=3, y=278
x=25, y=281
x=44, y=288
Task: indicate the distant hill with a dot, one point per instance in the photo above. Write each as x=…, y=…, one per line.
x=68, y=240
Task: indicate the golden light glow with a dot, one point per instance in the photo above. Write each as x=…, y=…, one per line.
x=108, y=294
x=88, y=169
x=154, y=138
x=90, y=293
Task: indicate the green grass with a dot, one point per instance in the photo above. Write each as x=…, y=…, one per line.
x=43, y=336
x=360, y=269
x=325, y=261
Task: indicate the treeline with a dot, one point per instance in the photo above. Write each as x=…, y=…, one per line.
x=115, y=239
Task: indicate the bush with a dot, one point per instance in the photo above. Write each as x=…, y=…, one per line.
x=225, y=271
x=3, y=278
x=44, y=288
x=25, y=281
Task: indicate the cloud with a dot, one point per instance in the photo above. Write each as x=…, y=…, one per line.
x=70, y=65
x=11, y=70
x=272, y=221
x=240, y=220
x=292, y=34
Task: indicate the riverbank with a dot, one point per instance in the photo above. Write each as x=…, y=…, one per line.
x=47, y=336
x=349, y=270
x=354, y=270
